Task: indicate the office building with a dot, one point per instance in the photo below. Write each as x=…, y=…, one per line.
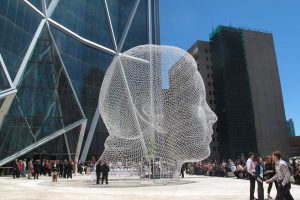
x=54, y=55
x=291, y=127
x=248, y=97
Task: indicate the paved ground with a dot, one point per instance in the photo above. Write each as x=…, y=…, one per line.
x=80, y=188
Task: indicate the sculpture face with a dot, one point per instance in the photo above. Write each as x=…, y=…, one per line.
x=153, y=103
x=190, y=119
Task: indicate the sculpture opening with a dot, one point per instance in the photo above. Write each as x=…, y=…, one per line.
x=153, y=103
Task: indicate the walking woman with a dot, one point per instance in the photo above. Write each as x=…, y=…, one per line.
x=259, y=174
x=270, y=172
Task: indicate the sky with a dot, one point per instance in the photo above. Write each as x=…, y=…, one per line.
x=182, y=22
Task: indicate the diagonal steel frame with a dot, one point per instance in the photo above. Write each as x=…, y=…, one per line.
x=41, y=142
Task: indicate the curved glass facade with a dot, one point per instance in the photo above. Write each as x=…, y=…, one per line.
x=55, y=55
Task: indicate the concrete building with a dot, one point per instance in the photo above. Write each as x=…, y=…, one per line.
x=291, y=127
x=295, y=145
x=201, y=51
x=248, y=98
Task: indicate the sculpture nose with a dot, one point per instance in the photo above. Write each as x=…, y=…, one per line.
x=210, y=116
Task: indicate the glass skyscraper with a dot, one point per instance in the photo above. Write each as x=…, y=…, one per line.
x=53, y=57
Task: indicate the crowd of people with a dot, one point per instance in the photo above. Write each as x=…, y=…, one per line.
x=54, y=168
x=272, y=169
x=257, y=170
x=233, y=168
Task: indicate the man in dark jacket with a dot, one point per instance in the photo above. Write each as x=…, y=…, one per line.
x=98, y=171
x=16, y=169
x=36, y=167
x=105, y=170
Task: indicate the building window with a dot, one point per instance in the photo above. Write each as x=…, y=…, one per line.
x=205, y=50
x=213, y=139
x=214, y=148
x=209, y=92
x=209, y=84
x=212, y=75
x=213, y=83
x=206, y=58
x=210, y=101
x=207, y=66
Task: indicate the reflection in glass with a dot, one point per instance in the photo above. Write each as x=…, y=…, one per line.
x=86, y=19
x=18, y=24
x=44, y=103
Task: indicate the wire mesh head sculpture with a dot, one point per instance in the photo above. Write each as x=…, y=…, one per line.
x=153, y=103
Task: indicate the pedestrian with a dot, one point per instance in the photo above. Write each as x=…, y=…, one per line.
x=98, y=171
x=37, y=170
x=105, y=170
x=270, y=172
x=24, y=165
x=182, y=170
x=15, y=169
x=251, y=174
x=30, y=169
x=282, y=177
x=69, y=169
x=259, y=175
x=54, y=172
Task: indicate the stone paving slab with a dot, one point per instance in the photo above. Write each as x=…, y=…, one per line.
x=80, y=188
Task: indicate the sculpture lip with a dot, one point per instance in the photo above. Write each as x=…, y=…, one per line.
x=208, y=139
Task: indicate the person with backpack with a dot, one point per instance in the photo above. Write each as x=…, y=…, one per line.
x=282, y=177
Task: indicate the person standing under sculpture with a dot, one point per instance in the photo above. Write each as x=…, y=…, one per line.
x=105, y=170
x=98, y=171
x=282, y=177
x=259, y=174
x=251, y=174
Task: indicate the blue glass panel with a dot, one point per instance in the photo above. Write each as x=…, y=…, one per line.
x=119, y=13
x=18, y=24
x=48, y=2
x=15, y=134
x=86, y=19
x=86, y=66
x=37, y=4
x=44, y=96
x=4, y=84
x=138, y=32
x=73, y=137
x=52, y=150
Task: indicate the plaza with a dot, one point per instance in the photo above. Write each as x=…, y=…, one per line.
x=80, y=188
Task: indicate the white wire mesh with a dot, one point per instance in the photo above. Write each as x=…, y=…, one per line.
x=153, y=103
